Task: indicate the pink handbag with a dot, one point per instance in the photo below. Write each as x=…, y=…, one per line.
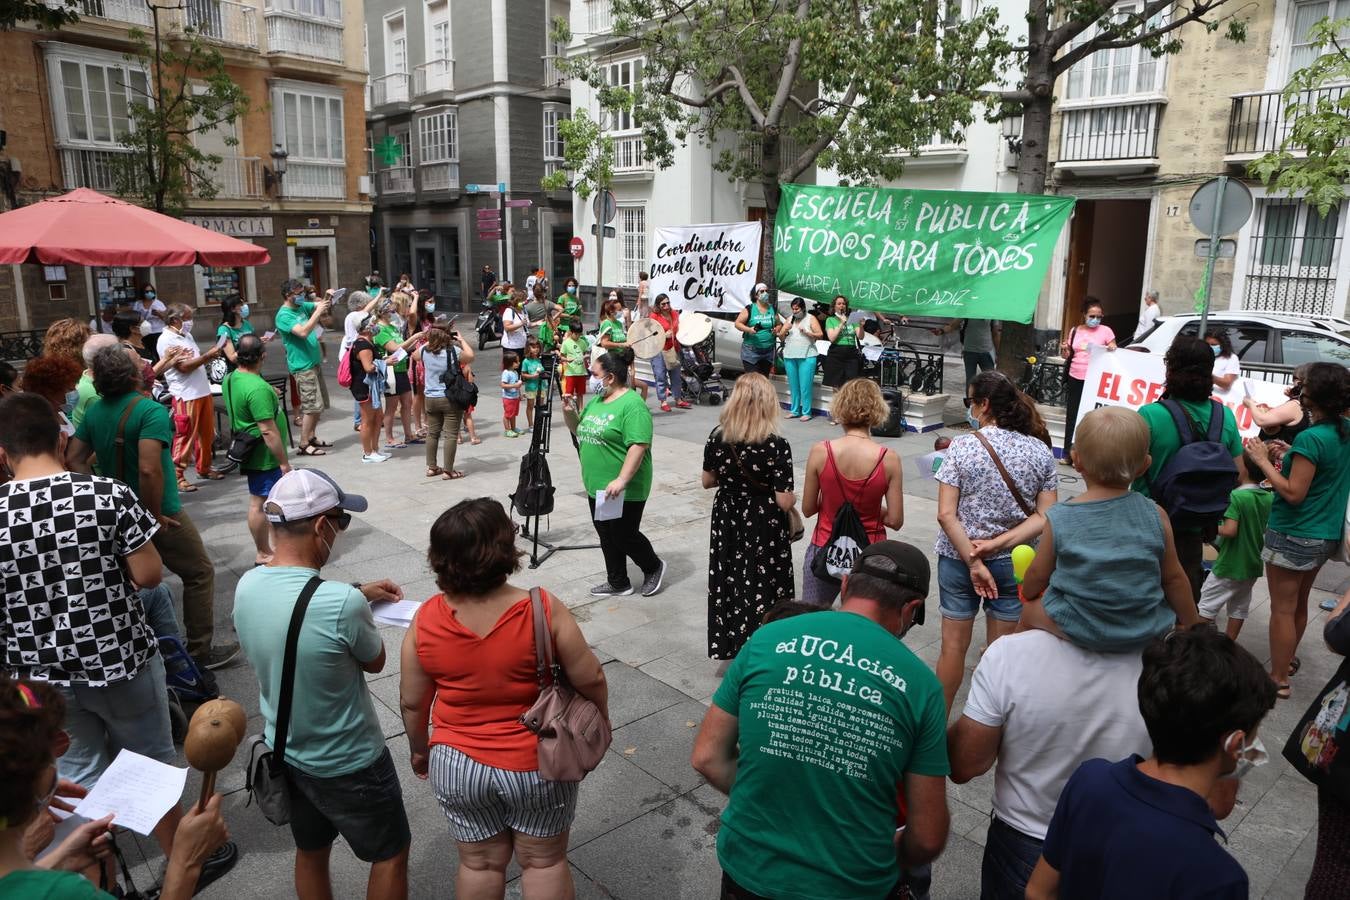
x=573, y=734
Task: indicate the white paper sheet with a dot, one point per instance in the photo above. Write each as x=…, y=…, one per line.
x=138, y=789
x=398, y=612
x=608, y=508
x=396, y=357
x=929, y=463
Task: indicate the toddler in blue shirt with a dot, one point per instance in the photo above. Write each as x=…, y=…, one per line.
x=1106, y=572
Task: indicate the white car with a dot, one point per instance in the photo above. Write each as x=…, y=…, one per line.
x=1267, y=344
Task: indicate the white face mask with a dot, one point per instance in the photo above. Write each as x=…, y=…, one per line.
x=243, y=311
x=186, y=327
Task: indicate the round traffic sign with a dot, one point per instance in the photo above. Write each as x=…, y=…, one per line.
x=1236, y=210
x=578, y=247
x=605, y=207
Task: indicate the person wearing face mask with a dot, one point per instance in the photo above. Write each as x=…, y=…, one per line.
x=151, y=310
x=1147, y=827
x=799, y=334
x=758, y=323
x=297, y=323
x=515, y=326
x=194, y=415
x=615, y=435
x=625, y=318
x=234, y=324
x=844, y=362
x=1227, y=368
x=1074, y=348
x=570, y=299
x=341, y=776
x=666, y=368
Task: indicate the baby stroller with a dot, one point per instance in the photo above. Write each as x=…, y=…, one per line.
x=700, y=377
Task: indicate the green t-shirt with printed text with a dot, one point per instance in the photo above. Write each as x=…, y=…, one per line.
x=605, y=433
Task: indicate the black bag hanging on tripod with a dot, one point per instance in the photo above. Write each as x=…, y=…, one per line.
x=458, y=390
x=534, y=488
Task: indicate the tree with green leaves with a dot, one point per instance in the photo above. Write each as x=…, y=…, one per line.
x=190, y=93
x=783, y=86
x=39, y=13
x=1314, y=156
x=587, y=168
x=1059, y=35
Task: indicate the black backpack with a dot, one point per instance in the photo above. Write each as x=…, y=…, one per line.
x=1194, y=486
x=534, y=487
x=848, y=537
x=458, y=390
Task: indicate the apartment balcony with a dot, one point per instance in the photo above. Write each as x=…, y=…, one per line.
x=554, y=79
x=294, y=34
x=630, y=158
x=96, y=169
x=753, y=150
x=395, y=181
x=1110, y=139
x=440, y=176
x=387, y=89
x=433, y=76
x=599, y=17
x=238, y=178
x=939, y=151
x=314, y=181
x=1259, y=122
x=221, y=21
x=130, y=12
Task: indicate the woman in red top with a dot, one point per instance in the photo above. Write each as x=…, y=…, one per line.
x=666, y=364
x=468, y=668
x=853, y=467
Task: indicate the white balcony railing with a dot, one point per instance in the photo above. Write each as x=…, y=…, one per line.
x=630, y=156
x=434, y=75
x=1106, y=133
x=599, y=16
x=389, y=89
x=551, y=166
x=223, y=21
x=97, y=169
x=299, y=35
x=440, y=176
x=553, y=76
x=315, y=180
x=238, y=178
x=788, y=150
x=134, y=12
x=397, y=180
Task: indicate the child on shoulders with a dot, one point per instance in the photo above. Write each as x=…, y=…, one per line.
x=1106, y=572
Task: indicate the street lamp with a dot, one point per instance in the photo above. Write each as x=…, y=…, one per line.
x=272, y=177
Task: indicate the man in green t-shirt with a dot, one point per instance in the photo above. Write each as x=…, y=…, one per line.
x=1190, y=382
x=297, y=322
x=834, y=718
x=145, y=465
x=253, y=407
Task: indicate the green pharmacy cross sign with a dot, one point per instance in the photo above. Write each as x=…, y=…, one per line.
x=389, y=150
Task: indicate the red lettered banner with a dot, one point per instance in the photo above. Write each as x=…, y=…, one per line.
x=1131, y=378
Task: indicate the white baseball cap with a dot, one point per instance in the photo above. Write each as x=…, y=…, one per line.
x=306, y=493
x=761, y=287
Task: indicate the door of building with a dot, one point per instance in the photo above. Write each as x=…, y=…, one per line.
x=424, y=269
x=313, y=263
x=1108, y=253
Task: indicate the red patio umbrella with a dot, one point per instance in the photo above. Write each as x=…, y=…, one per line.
x=86, y=228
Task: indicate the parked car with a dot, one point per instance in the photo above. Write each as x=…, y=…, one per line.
x=1269, y=345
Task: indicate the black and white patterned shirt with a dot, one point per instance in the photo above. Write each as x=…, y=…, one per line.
x=70, y=613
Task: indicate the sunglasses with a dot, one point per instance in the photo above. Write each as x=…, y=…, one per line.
x=343, y=519
x=966, y=401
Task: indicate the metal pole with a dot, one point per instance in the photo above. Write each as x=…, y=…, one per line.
x=506, y=245
x=1213, y=253
x=600, y=251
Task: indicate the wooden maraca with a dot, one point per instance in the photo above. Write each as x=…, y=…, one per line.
x=215, y=732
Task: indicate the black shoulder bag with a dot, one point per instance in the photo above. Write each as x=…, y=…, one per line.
x=266, y=775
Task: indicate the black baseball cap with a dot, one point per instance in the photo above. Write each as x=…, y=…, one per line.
x=896, y=562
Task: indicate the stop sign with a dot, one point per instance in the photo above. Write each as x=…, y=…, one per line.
x=578, y=248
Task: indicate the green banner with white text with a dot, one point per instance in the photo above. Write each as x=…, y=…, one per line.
x=954, y=254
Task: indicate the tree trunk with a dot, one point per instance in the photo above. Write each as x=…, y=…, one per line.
x=770, y=167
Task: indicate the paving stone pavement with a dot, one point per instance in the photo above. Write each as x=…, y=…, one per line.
x=646, y=823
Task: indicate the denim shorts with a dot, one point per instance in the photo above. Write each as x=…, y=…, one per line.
x=1297, y=554
x=102, y=721
x=260, y=484
x=365, y=807
x=957, y=598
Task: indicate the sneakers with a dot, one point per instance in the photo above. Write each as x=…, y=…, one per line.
x=684, y=404
x=375, y=457
x=653, y=583
x=219, y=656
x=605, y=589
x=512, y=434
x=665, y=407
x=217, y=864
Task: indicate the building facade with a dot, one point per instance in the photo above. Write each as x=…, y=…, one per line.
x=464, y=98
x=1136, y=136
x=67, y=95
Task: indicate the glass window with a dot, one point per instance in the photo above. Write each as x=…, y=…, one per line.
x=1319, y=237
x=72, y=81
x=553, y=146
x=1299, y=347
x=1306, y=15
x=1249, y=341
x=632, y=237
x=627, y=75
x=1116, y=72
x=437, y=137
x=312, y=125
x=98, y=100
x=1277, y=237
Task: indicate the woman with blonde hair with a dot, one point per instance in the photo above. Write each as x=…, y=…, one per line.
x=854, y=468
x=750, y=549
